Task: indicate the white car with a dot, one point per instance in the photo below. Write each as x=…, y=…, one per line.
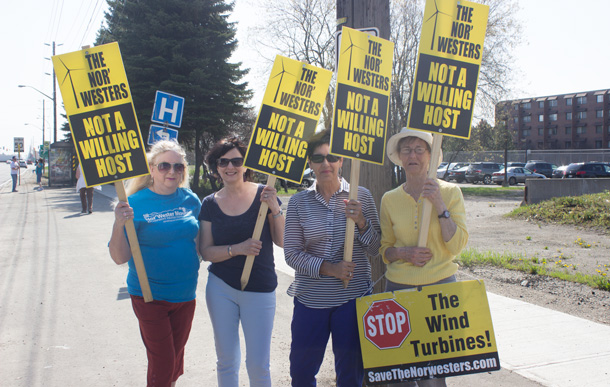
x=444, y=171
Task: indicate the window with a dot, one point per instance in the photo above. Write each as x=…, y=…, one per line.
x=568, y=130
x=553, y=103
x=600, y=98
x=553, y=117
x=540, y=132
x=581, y=115
x=527, y=105
x=581, y=100
x=515, y=107
x=598, y=144
x=552, y=131
x=568, y=144
x=568, y=101
x=541, y=104
x=569, y=116
x=599, y=129
x=581, y=130
x=527, y=118
x=599, y=114
x=516, y=120
x=526, y=132
x=540, y=117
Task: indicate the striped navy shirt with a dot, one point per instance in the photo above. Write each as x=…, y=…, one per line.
x=314, y=233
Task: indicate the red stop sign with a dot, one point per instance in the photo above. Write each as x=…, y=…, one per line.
x=386, y=324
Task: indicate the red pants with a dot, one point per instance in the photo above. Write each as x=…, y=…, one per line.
x=165, y=328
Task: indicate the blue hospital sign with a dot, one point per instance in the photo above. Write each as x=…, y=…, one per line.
x=168, y=109
x=158, y=133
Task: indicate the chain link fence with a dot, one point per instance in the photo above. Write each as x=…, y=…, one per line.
x=554, y=156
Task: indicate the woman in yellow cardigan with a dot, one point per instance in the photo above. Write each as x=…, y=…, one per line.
x=409, y=266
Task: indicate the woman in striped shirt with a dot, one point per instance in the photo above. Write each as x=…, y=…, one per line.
x=313, y=245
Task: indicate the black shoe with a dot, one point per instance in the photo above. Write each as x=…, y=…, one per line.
x=90, y=211
x=15, y=190
x=83, y=212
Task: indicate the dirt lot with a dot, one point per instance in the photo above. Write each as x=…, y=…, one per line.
x=559, y=245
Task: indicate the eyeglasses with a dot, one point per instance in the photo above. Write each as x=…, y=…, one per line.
x=236, y=161
x=165, y=167
x=318, y=158
x=418, y=151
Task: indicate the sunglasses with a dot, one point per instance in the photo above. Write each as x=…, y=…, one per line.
x=418, y=150
x=236, y=161
x=317, y=158
x=165, y=167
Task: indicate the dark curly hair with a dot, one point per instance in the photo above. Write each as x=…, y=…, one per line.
x=220, y=149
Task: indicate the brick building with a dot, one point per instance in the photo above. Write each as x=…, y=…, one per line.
x=565, y=121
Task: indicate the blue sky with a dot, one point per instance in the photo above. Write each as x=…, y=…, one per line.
x=564, y=50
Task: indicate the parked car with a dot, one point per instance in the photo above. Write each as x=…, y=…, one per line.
x=542, y=167
x=459, y=175
x=23, y=164
x=482, y=172
x=515, y=164
x=559, y=171
x=443, y=172
x=515, y=175
x=586, y=170
x=308, y=178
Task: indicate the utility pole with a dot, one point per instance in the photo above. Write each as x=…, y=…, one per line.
x=54, y=97
x=362, y=14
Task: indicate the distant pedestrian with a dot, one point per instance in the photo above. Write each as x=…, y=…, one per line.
x=86, y=193
x=39, y=170
x=14, y=172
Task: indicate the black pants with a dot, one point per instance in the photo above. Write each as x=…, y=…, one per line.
x=86, y=199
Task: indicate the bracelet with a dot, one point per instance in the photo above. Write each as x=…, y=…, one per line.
x=366, y=226
x=278, y=214
x=229, y=251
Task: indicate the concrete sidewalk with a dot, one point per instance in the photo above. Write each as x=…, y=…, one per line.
x=542, y=345
x=65, y=317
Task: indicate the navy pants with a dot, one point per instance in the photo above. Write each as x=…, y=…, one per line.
x=311, y=329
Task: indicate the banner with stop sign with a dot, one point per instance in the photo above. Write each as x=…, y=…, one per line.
x=434, y=332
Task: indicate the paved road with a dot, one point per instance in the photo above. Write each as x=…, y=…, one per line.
x=65, y=317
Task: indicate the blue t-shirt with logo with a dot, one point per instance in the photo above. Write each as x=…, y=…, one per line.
x=167, y=227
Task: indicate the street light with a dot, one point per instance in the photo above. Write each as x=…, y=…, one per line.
x=54, y=107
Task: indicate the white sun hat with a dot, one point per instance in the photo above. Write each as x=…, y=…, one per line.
x=392, y=148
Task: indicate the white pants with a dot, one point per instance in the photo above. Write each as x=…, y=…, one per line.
x=227, y=307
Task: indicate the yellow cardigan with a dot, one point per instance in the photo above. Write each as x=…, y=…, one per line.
x=400, y=222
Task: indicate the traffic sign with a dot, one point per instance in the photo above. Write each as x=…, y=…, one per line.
x=158, y=133
x=18, y=144
x=168, y=109
x=386, y=324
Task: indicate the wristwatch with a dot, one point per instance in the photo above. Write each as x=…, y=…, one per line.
x=445, y=214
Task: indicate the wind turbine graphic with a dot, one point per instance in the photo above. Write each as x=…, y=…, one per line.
x=435, y=16
x=68, y=74
x=350, y=48
x=281, y=75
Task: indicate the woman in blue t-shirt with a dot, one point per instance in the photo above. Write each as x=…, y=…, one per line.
x=165, y=214
x=227, y=220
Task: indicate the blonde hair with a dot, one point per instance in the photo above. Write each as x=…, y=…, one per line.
x=139, y=183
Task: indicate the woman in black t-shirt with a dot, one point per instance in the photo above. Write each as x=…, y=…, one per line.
x=227, y=220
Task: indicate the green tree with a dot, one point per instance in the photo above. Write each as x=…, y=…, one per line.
x=181, y=47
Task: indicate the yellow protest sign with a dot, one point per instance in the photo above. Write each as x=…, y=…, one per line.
x=362, y=99
x=438, y=331
x=288, y=117
x=450, y=54
x=100, y=110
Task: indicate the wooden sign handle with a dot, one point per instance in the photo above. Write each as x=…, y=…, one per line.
x=256, y=235
x=427, y=206
x=135, y=246
x=348, y=247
